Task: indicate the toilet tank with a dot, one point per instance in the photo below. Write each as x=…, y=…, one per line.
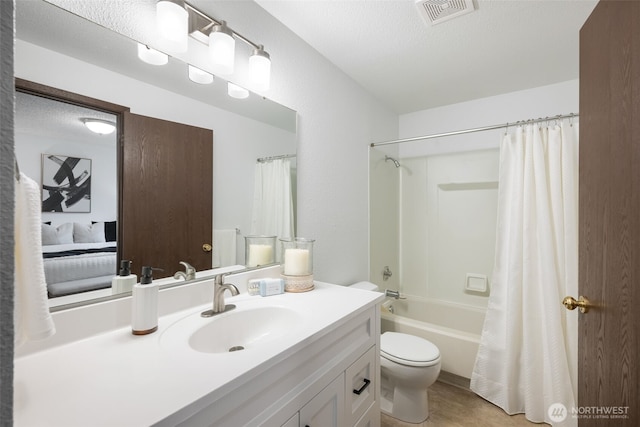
x=368, y=286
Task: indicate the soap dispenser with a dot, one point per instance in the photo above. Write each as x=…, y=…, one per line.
x=124, y=281
x=144, y=305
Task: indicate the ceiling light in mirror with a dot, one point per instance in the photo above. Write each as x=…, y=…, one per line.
x=102, y=127
x=260, y=69
x=236, y=91
x=151, y=56
x=173, y=25
x=222, y=48
x=196, y=75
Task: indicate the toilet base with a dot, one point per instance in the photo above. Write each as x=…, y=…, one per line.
x=408, y=405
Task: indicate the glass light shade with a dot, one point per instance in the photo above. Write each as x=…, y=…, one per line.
x=196, y=75
x=151, y=56
x=222, y=48
x=260, y=69
x=173, y=25
x=236, y=91
x=102, y=127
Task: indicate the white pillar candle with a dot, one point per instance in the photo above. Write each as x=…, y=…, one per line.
x=296, y=262
x=260, y=255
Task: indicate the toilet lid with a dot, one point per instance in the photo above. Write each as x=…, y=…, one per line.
x=408, y=349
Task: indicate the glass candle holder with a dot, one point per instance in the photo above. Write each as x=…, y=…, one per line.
x=297, y=254
x=259, y=250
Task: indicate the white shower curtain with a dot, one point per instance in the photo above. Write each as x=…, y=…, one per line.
x=527, y=360
x=272, y=200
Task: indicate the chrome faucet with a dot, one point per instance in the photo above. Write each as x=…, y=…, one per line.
x=393, y=294
x=219, y=287
x=188, y=274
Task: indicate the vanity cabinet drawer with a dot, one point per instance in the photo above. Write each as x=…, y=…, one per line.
x=326, y=409
x=371, y=418
x=361, y=382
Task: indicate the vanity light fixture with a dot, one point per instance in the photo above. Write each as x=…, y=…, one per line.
x=222, y=48
x=219, y=37
x=236, y=91
x=260, y=69
x=196, y=75
x=172, y=20
x=99, y=126
x=151, y=56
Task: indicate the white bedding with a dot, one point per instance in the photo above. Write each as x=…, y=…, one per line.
x=74, y=246
x=80, y=272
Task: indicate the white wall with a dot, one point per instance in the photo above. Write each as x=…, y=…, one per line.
x=337, y=122
x=545, y=101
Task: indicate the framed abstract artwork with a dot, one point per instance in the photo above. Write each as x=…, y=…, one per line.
x=66, y=184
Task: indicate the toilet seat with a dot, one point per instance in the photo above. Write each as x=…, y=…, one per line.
x=408, y=349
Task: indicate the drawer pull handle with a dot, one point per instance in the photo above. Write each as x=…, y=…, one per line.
x=364, y=386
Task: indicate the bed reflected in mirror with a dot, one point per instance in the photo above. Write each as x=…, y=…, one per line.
x=76, y=168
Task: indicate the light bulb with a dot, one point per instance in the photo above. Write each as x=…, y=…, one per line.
x=102, y=127
x=196, y=75
x=222, y=47
x=173, y=25
x=236, y=91
x=151, y=56
x=260, y=69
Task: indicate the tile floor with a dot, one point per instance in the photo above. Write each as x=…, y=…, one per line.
x=452, y=406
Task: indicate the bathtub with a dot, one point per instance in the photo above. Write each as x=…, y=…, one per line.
x=454, y=328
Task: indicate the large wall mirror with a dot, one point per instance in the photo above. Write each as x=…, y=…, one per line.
x=63, y=51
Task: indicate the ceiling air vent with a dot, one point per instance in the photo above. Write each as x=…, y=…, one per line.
x=437, y=11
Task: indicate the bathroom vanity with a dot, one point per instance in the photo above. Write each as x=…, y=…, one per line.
x=296, y=359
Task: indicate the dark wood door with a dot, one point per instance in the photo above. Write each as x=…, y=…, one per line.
x=609, y=266
x=167, y=191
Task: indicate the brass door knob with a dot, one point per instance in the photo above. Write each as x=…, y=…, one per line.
x=207, y=247
x=570, y=303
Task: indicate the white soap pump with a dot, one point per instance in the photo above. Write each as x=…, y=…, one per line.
x=124, y=281
x=144, y=304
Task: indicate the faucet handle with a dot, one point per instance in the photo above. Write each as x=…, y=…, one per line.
x=188, y=267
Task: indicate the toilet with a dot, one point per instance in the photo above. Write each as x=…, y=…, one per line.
x=409, y=365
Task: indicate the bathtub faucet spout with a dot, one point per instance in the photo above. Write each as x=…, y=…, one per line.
x=390, y=293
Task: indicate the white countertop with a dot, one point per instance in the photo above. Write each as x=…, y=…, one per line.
x=118, y=379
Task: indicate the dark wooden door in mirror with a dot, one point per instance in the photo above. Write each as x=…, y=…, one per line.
x=167, y=194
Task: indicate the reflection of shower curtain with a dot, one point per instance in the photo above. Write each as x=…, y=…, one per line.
x=527, y=361
x=272, y=200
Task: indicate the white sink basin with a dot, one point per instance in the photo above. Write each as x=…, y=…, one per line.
x=253, y=325
x=243, y=329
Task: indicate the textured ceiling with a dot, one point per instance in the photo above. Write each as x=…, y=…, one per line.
x=387, y=48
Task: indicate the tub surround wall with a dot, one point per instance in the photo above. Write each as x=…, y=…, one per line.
x=384, y=220
x=448, y=216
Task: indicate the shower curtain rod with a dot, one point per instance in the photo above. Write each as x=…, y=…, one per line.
x=268, y=159
x=460, y=132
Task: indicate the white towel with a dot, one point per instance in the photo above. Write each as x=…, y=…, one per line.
x=224, y=248
x=32, y=319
